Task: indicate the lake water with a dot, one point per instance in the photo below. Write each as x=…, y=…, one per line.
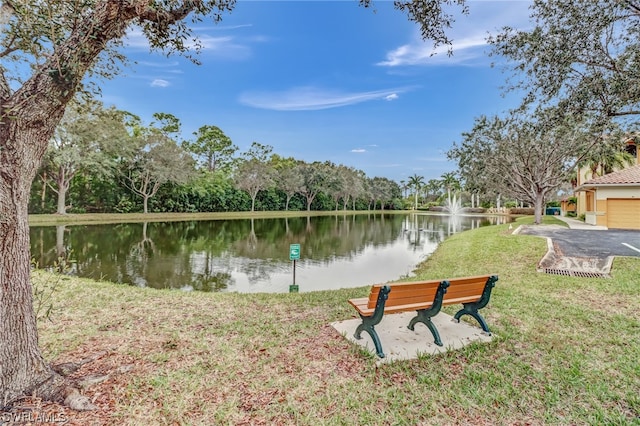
x=251, y=255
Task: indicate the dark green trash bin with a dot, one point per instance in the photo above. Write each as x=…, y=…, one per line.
x=552, y=211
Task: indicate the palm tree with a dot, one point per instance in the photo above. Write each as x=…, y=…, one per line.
x=450, y=183
x=416, y=183
x=404, y=186
x=433, y=187
x=605, y=157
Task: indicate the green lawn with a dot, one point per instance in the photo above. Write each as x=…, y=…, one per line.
x=566, y=350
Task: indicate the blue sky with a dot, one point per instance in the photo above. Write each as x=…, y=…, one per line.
x=329, y=80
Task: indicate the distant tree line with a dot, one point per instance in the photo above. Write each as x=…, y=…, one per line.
x=103, y=160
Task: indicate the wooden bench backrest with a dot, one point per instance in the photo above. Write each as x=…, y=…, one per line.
x=407, y=293
x=466, y=287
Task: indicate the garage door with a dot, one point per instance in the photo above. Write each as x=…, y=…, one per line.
x=623, y=213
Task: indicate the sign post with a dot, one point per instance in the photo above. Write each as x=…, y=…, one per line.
x=294, y=254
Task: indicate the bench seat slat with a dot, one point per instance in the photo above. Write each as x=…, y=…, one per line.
x=361, y=305
x=463, y=280
x=464, y=292
x=455, y=301
x=394, y=309
x=466, y=289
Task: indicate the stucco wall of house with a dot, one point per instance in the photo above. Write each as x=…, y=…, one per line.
x=584, y=174
x=601, y=211
x=599, y=216
x=619, y=192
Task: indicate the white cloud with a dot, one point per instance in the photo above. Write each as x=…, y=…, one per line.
x=158, y=82
x=358, y=150
x=392, y=97
x=158, y=64
x=227, y=46
x=214, y=43
x=419, y=53
x=468, y=34
x=135, y=39
x=223, y=27
x=312, y=98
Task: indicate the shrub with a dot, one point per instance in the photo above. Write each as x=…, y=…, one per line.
x=529, y=211
x=437, y=209
x=474, y=210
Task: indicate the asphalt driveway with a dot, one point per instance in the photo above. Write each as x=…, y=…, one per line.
x=589, y=243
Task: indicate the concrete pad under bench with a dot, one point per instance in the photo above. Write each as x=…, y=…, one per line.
x=400, y=343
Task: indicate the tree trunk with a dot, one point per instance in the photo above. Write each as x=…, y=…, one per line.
x=63, y=181
x=28, y=118
x=539, y=204
x=22, y=367
x=62, y=200
x=43, y=194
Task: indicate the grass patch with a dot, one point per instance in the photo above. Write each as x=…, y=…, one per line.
x=566, y=350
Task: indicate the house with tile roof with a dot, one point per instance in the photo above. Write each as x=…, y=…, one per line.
x=612, y=200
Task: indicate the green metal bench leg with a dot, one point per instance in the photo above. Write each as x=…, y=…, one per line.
x=374, y=336
x=424, y=315
x=472, y=308
x=474, y=314
x=426, y=321
x=369, y=322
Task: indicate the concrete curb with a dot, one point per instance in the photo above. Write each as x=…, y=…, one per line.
x=552, y=263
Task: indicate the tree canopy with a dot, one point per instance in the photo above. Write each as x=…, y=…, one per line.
x=582, y=55
x=524, y=156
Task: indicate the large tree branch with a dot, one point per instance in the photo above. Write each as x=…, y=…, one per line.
x=633, y=6
x=145, y=12
x=7, y=10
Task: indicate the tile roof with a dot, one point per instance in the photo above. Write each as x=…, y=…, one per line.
x=627, y=176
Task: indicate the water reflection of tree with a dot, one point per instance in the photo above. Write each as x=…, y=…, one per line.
x=203, y=254
x=265, y=247
x=188, y=260
x=49, y=250
x=142, y=250
x=61, y=250
x=206, y=255
x=139, y=257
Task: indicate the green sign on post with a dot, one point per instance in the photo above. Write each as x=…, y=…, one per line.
x=294, y=252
